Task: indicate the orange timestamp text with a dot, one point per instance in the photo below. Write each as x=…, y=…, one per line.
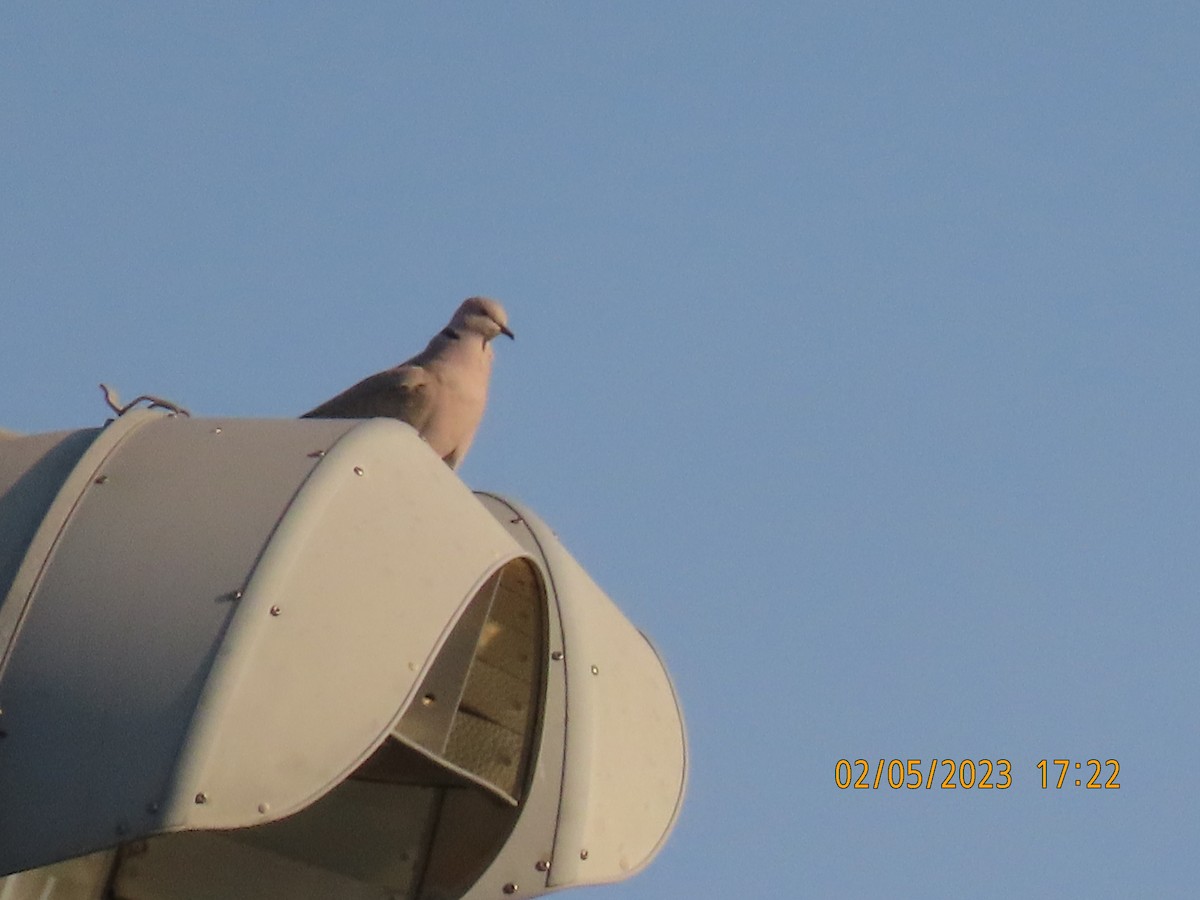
x=967, y=774
x=917, y=774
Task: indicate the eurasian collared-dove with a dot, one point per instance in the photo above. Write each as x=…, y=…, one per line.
x=441, y=392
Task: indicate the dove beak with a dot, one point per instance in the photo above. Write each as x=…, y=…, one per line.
x=504, y=330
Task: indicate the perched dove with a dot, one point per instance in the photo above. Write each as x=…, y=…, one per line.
x=441, y=391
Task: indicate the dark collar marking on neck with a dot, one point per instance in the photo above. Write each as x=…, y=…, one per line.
x=450, y=333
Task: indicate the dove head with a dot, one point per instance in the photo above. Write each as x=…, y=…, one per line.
x=482, y=316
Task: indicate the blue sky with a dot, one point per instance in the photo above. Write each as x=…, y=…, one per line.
x=856, y=359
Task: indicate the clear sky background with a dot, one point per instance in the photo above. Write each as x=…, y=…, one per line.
x=857, y=359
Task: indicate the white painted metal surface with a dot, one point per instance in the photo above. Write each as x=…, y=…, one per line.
x=625, y=760
x=217, y=622
x=359, y=586
x=219, y=619
x=33, y=471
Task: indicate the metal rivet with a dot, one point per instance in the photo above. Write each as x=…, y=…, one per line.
x=202, y=797
x=542, y=865
x=516, y=520
x=216, y=431
x=264, y=807
x=101, y=479
x=595, y=670
x=358, y=470
x=583, y=854
x=428, y=700
x=275, y=610
x=510, y=888
x=316, y=454
x=557, y=654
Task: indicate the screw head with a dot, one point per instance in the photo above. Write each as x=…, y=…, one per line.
x=264, y=807
x=201, y=798
x=595, y=670
x=557, y=654
x=510, y=888
x=542, y=865
x=100, y=479
x=359, y=470
x=583, y=854
x=275, y=610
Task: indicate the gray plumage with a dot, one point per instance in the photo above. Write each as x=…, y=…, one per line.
x=442, y=391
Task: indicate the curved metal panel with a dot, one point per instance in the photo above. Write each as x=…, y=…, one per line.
x=363, y=580
x=33, y=471
x=403, y=824
x=521, y=867
x=42, y=492
x=130, y=582
x=625, y=763
x=225, y=611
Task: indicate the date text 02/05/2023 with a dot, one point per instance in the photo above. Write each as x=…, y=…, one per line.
x=980, y=774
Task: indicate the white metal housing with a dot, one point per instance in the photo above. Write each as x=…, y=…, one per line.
x=287, y=658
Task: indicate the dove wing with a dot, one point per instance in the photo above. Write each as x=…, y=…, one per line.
x=406, y=392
